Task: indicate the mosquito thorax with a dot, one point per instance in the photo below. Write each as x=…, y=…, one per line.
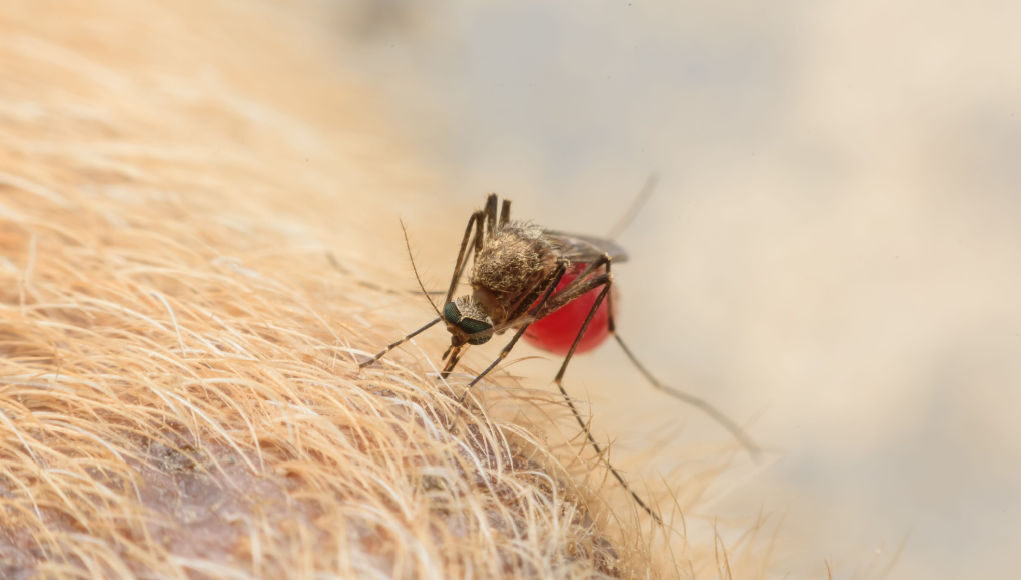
x=468, y=317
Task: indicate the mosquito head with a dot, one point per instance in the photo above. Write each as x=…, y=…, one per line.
x=467, y=321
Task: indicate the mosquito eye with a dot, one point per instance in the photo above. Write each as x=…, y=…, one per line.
x=452, y=313
x=472, y=326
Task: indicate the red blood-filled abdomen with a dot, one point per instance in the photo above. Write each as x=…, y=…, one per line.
x=557, y=331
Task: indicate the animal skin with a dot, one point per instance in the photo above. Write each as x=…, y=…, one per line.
x=191, y=200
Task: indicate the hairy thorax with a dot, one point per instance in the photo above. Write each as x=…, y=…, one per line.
x=512, y=269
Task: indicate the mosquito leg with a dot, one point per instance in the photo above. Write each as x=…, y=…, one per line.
x=503, y=354
x=505, y=213
x=550, y=287
x=395, y=344
x=585, y=282
x=476, y=221
x=692, y=400
x=491, y=214
x=754, y=450
x=559, y=380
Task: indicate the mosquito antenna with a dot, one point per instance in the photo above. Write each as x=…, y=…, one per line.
x=407, y=242
x=643, y=196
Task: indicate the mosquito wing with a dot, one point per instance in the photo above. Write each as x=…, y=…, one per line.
x=584, y=249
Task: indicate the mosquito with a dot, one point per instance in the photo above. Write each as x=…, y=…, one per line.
x=521, y=274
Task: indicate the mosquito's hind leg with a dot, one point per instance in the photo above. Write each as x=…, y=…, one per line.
x=692, y=400
x=606, y=281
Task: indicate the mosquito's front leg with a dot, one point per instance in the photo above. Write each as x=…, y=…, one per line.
x=396, y=343
x=490, y=212
x=477, y=220
x=505, y=213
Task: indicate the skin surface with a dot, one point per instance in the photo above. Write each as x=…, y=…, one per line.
x=190, y=270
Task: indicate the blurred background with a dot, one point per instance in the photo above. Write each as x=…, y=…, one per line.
x=831, y=256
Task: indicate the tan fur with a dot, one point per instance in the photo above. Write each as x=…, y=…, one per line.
x=188, y=274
